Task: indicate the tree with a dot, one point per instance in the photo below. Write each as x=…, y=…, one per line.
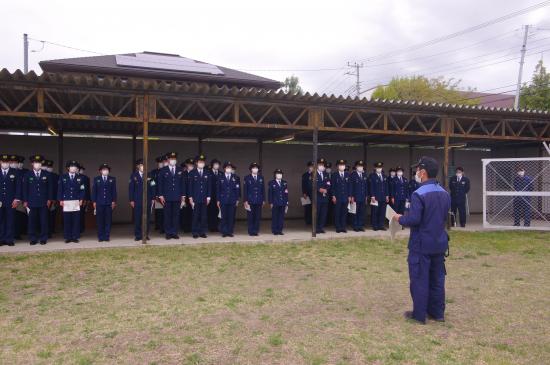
x=537, y=94
x=291, y=85
x=420, y=88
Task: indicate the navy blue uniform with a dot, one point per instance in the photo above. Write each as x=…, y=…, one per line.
x=400, y=193
x=37, y=191
x=21, y=217
x=104, y=195
x=135, y=194
x=199, y=189
x=378, y=187
x=172, y=187
x=277, y=196
x=428, y=243
x=389, y=182
x=87, y=198
x=459, y=189
x=71, y=189
x=53, y=209
x=341, y=190
x=213, y=220
x=228, y=193
x=306, y=190
x=159, y=213
x=522, y=204
x=413, y=185
x=360, y=194
x=322, y=200
x=254, y=194
x=186, y=213
x=10, y=190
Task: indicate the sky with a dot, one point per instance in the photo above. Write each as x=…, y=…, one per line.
x=313, y=40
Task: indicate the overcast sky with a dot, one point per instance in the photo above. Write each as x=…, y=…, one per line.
x=291, y=36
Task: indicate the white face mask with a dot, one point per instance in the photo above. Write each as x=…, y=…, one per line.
x=73, y=169
x=459, y=174
x=321, y=168
x=216, y=166
x=200, y=165
x=521, y=173
x=37, y=166
x=105, y=172
x=228, y=170
x=160, y=165
x=417, y=177
x=44, y=168
x=190, y=167
x=341, y=168
x=378, y=170
x=399, y=173
x=20, y=165
x=5, y=165
x=140, y=168
x=359, y=168
x=172, y=162
x=165, y=163
x=82, y=171
x=254, y=170
x=49, y=169
x=13, y=165
x=392, y=174
x=279, y=176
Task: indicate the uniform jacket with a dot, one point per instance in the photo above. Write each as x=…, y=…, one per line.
x=341, y=186
x=306, y=183
x=135, y=188
x=199, y=187
x=254, y=190
x=214, y=182
x=104, y=192
x=523, y=183
x=459, y=189
x=413, y=185
x=37, y=191
x=427, y=218
x=359, y=186
x=378, y=187
x=228, y=191
x=400, y=189
x=10, y=187
x=68, y=189
x=171, y=187
x=277, y=193
x=86, y=182
x=324, y=183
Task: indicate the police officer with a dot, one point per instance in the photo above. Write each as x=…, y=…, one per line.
x=278, y=201
x=330, y=205
x=213, y=220
x=171, y=192
x=323, y=195
x=159, y=214
x=21, y=217
x=379, y=196
x=228, y=193
x=199, y=193
x=104, y=198
x=135, y=196
x=186, y=213
x=48, y=166
x=359, y=195
x=399, y=191
x=522, y=204
x=389, y=180
x=306, y=191
x=459, y=186
x=341, y=195
x=37, y=195
x=253, y=198
x=70, y=186
x=10, y=198
x=428, y=243
x=87, y=197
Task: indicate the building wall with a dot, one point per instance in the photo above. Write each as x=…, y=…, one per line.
x=291, y=158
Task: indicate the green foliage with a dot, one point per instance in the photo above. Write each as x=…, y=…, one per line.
x=420, y=88
x=291, y=85
x=537, y=94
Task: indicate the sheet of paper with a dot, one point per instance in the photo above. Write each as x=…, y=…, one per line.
x=71, y=206
x=220, y=213
x=352, y=208
x=27, y=210
x=305, y=201
x=286, y=209
x=375, y=203
x=394, y=225
x=158, y=205
x=407, y=205
x=247, y=207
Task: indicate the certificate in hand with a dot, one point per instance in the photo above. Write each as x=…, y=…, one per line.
x=71, y=206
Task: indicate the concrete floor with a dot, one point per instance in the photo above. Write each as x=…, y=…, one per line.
x=122, y=236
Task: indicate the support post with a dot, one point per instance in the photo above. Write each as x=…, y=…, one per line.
x=447, y=130
x=60, y=152
x=261, y=153
x=25, y=53
x=365, y=147
x=144, y=206
x=134, y=150
x=314, y=184
x=411, y=160
x=200, y=145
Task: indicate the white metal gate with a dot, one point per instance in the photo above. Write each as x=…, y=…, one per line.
x=512, y=201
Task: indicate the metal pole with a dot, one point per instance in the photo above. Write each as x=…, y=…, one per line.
x=411, y=159
x=261, y=153
x=60, y=152
x=365, y=147
x=146, y=110
x=25, y=53
x=314, y=184
x=200, y=145
x=521, y=62
x=134, y=150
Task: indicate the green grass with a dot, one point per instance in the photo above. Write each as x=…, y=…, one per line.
x=324, y=302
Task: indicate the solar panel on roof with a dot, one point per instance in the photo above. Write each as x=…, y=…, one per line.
x=171, y=63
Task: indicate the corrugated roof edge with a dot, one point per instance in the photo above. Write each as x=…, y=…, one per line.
x=123, y=83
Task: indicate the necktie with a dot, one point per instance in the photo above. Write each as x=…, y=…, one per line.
x=342, y=175
x=279, y=182
x=172, y=170
x=255, y=178
x=104, y=178
x=321, y=175
x=72, y=177
x=38, y=174
x=200, y=173
x=5, y=173
x=227, y=176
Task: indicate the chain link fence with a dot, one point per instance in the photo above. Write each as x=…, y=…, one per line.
x=516, y=193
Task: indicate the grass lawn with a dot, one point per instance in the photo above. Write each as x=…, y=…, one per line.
x=328, y=302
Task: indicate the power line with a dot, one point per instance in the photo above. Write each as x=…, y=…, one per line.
x=65, y=46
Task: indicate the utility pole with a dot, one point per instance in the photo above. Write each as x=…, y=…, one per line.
x=25, y=53
x=356, y=66
x=521, y=62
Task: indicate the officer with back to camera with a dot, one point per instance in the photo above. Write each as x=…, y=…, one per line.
x=428, y=243
x=10, y=198
x=70, y=186
x=459, y=185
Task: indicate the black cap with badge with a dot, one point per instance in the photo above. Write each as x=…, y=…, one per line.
x=429, y=164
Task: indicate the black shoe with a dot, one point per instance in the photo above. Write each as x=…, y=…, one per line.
x=2, y=243
x=175, y=236
x=33, y=243
x=10, y=244
x=42, y=242
x=224, y=235
x=463, y=225
x=230, y=235
x=195, y=236
x=382, y=229
x=147, y=238
x=436, y=319
x=281, y=233
x=107, y=240
x=344, y=231
x=204, y=235
x=409, y=315
x=76, y=241
x=137, y=239
x=168, y=237
x=67, y=241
